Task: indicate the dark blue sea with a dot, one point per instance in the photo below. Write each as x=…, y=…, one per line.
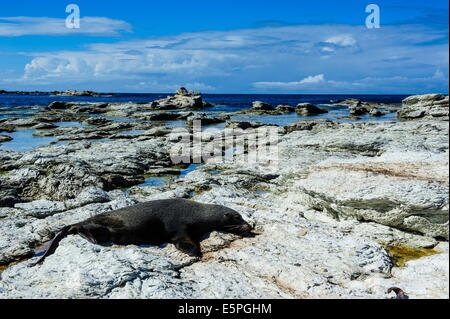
x=225, y=102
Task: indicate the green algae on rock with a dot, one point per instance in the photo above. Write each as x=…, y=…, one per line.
x=402, y=254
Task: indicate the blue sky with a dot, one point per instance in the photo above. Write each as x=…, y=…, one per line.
x=283, y=46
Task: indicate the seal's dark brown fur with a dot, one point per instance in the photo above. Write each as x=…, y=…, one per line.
x=178, y=221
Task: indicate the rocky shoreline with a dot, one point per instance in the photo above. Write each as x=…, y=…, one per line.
x=342, y=210
x=56, y=93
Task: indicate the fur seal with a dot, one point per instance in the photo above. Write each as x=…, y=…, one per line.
x=178, y=221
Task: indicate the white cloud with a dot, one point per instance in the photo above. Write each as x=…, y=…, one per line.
x=343, y=40
x=95, y=26
x=155, y=86
x=291, y=85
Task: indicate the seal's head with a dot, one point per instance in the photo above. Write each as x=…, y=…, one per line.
x=232, y=222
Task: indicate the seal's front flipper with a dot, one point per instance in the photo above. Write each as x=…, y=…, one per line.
x=187, y=245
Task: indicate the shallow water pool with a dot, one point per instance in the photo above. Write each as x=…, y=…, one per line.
x=23, y=140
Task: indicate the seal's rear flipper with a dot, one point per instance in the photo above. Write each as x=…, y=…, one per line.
x=55, y=242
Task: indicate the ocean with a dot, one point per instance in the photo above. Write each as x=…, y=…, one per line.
x=225, y=102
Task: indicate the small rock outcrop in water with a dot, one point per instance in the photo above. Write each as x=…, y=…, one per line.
x=261, y=106
x=425, y=106
x=56, y=93
x=285, y=109
x=204, y=119
x=357, y=107
x=183, y=99
x=307, y=109
x=76, y=93
x=5, y=138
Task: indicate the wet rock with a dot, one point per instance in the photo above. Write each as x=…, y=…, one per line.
x=359, y=109
x=183, y=99
x=44, y=126
x=366, y=104
x=285, y=109
x=5, y=127
x=435, y=106
x=80, y=107
x=309, y=125
x=97, y=121
x=307, y=109
x=157, y=132
x=8, y=197
x=158, y=116
x=83, y=136
x=5, y=138
x=204, y=119
x=163, y=171
x=351, y=102
x=60, y=105
x=261, y=106
x=184, y=92
x=122, y=181
x=94, y=108
x=245, y=125
x=55, y=116
x=376, y=112
x=352, y=118
x=23, y=122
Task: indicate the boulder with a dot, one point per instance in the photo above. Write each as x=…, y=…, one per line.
x=245, y=124
x=183, y=99
x=5, y=138
x=285, y=109
x=306, y=109
x=376, y=112
x=8, y=198
x=261, y=106
x=428, y=106
x=60, y=105
x=5, y=127
x=359, y=109
x=204, y=118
